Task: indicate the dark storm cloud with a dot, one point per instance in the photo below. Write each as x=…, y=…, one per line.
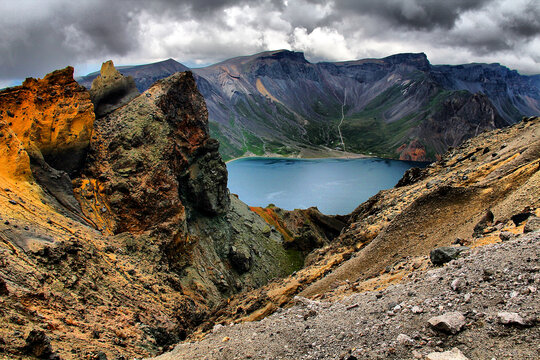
x=33, y=44
x=526, y=23
x=414, y=14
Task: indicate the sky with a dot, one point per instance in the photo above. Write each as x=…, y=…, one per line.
x=38, y=36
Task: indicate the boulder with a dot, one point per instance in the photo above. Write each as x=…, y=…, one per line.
x=411, y=176
x=240, y=258
x=38, y=344
x=450, y=323
x=442, y=255
x=511, y=318
x=3, y=287
x=506, y=235
x=485, y=221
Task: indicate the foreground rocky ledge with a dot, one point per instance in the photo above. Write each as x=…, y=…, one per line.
x=492, y=289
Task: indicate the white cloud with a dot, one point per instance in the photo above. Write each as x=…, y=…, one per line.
x=322, y=43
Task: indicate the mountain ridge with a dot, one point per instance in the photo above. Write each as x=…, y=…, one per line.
x=277, y=102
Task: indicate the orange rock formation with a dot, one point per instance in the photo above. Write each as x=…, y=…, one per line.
x=51, y=118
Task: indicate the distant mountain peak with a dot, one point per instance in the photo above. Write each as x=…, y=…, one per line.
x=285, y=54
x=419, y=60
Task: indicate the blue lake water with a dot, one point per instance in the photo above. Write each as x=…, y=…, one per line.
x=334, y=186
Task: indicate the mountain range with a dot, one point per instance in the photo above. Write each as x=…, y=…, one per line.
x=401, y=106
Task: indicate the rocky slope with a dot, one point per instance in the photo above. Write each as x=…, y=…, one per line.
x=401, y=106
x=481, y=306
x=118, y=234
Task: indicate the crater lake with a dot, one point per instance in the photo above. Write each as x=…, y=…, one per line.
x=334, y=186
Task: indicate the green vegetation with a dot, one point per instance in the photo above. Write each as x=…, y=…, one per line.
x=367, y=132
x=253, y=144
x=227, y=150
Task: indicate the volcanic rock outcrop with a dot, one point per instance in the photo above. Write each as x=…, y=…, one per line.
x=51, y=117
x=111, y=90
x=118, y=234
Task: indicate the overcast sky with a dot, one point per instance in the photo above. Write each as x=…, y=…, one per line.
x=38, y=36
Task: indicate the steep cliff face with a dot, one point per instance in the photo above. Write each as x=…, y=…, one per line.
x=512, y=94
x=154, y=151
x=52, y=118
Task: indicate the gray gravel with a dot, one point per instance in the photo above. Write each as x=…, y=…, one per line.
x=485, y=286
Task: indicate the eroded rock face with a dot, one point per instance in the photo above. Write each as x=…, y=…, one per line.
x=52, y=118
x=153, y=158
x=111, y=90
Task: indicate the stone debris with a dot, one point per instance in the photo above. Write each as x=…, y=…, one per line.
x=444, y=254
x=405, y=340
x=533, y=224
x=451, y=322
x=458, y=284
x=38, y=344
x=341, y=331
x=511, y=318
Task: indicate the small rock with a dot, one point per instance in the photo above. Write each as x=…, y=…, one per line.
x=454, y=354
x=506, y=235
x=533, y=224
x=416, y=310
x=511, y=318
x=240, y=258
x=405, y=340
x=431, y=184
x=100, y=356
x=225, y=339
x=451, y=322
x=13, y=202
x=521, y=217
x=3, y=287
x=442, y=255
x=458, y=284
x=485, y=221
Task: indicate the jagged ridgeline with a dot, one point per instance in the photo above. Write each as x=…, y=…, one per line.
x=401, y=106
x=118, y=232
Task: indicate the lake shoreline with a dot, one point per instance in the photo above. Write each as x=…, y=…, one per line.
x=316, y=157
